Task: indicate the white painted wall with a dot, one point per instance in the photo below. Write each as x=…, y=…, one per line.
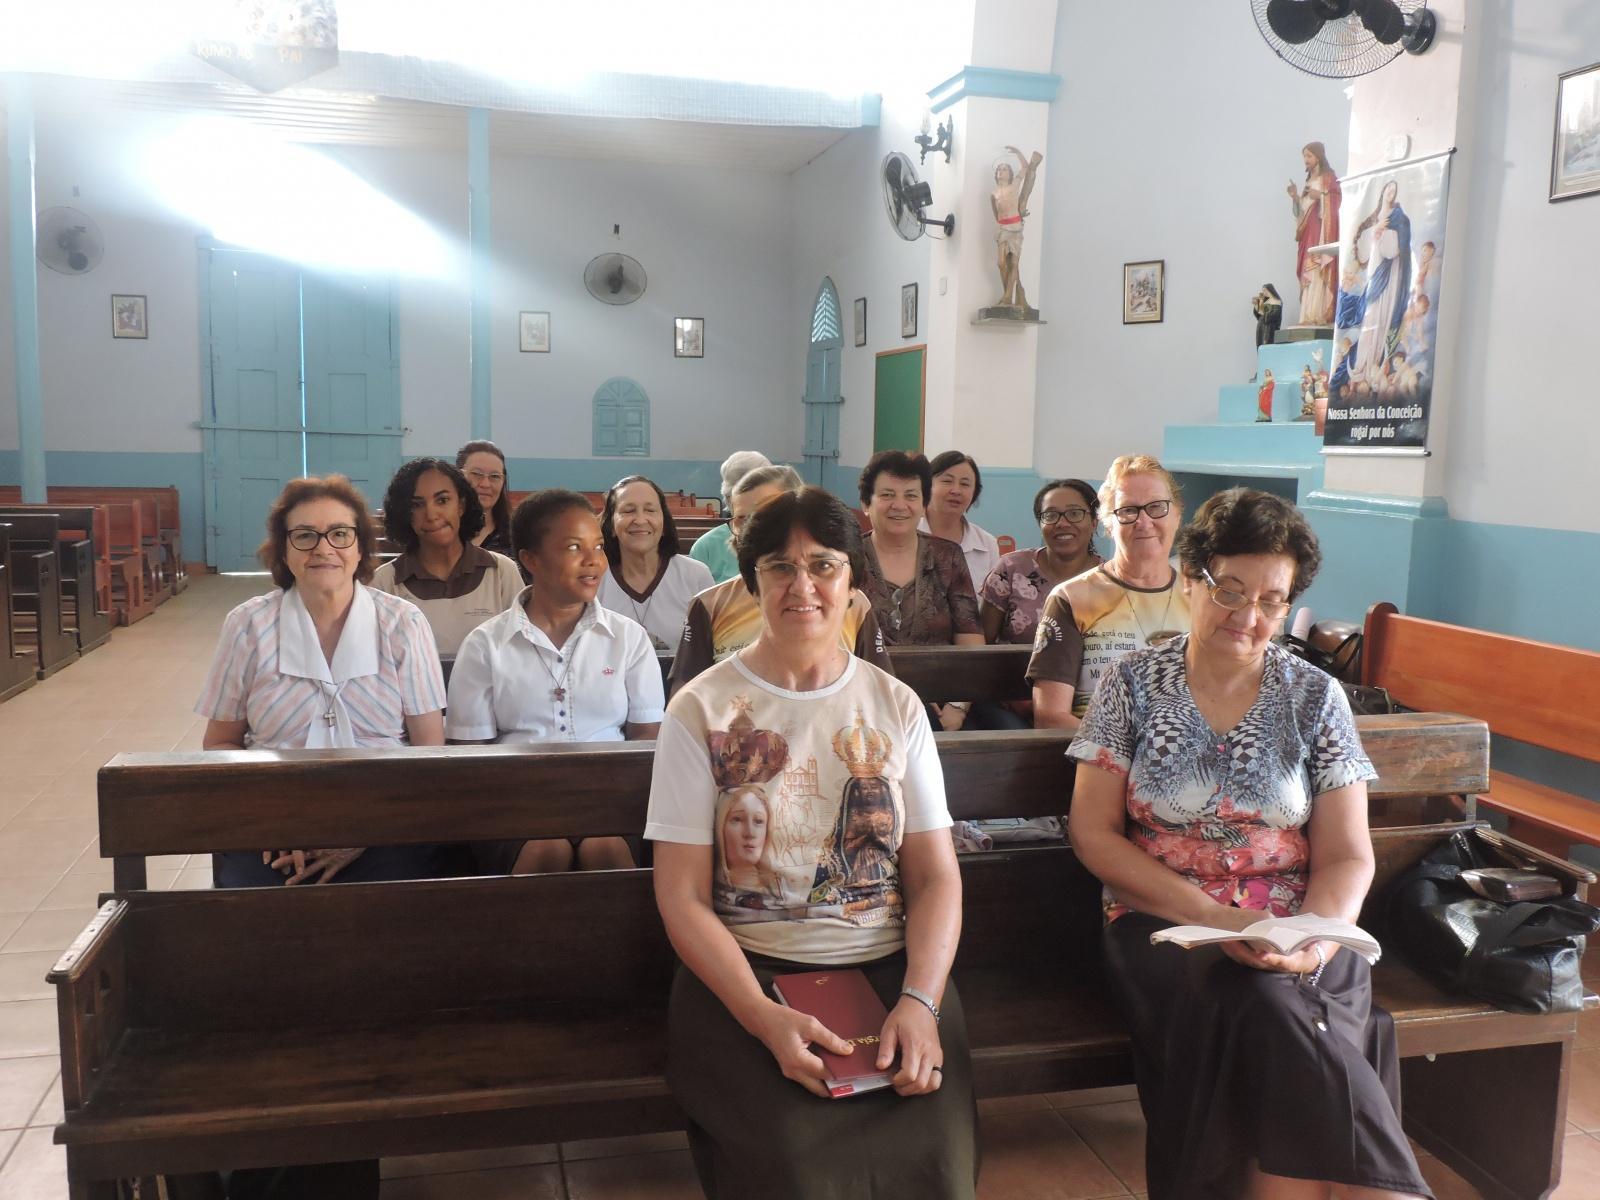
x=1172, y=138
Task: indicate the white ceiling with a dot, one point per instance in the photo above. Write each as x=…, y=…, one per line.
x=322, y=117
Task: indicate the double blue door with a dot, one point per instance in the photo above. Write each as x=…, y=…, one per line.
x=303, y=380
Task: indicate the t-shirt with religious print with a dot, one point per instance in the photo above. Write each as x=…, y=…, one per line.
x=805, y=799
x=1092, y=620
x=1227, y=811
x=725, y=619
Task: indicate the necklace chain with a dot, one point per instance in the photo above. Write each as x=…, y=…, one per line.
x=1127, y=594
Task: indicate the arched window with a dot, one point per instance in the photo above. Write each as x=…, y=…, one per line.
x=621, y=420
x=825, y=325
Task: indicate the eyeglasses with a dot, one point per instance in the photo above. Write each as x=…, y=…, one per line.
x=340, y=537
x=1272, y=610
x=822, y=569
x=486, y=477
x=1155, y=510
x=1074, y=515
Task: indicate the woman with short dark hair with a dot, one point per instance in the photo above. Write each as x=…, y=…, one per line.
x=1221, y=780
x=957, y=484
x=1013, y=595
x=484, y=465
x=649, y=580
x=433, y=513
x=823, y=769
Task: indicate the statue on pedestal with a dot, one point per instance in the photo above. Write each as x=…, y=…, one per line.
x=1009, y=200
x=1316, y=223
x=1267, y=306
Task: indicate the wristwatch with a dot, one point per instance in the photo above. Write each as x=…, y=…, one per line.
x=924, y=999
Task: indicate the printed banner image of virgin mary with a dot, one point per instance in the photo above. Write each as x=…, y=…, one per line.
x=857, y=869
x=743, y=759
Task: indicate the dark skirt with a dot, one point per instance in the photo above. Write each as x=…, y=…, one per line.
x=754, y=1133
x=1235, y=1064
x=376, y=864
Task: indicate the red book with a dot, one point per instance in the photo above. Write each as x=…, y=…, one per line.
x=844, y=1002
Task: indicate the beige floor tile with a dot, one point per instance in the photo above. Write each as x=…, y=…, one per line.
x=1103, y=1095
x=1583, y=1095
x=22, y=976
x=193, y=879
x=1580, y=1169
x=8, y=1139
x=664, y=1176
x=28, y=1027
x=515, y=1183
x=1115, y=1132
x=643, y=1143
x=1037, y=1156
x=49, y=1110
x=10, y=923
x=23, y=1083
x=468, y=1160
x=80, y=892
x=36, y=1169
x=51, y=930
x=45, y=847
x=90, y=863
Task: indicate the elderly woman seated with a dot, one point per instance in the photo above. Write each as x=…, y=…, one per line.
x=1221, y=780
x=799, y=819
x=650, y=581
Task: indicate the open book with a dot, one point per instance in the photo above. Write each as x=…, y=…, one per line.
x=1280, y=935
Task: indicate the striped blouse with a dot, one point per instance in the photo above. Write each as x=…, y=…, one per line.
x=385, y=668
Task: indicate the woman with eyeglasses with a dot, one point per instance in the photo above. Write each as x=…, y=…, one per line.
x=322, y=661
x=1129, y=603
x=1014, y=593
x=836, y=758
x=1221, y=780
x=484, y=465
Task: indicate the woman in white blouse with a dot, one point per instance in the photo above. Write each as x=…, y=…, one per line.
x=957, y=485
x=322, y=661
x=556, y=667
x=649, y=580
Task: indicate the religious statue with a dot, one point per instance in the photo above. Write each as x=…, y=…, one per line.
x=1316, y=224
x=1009, y=200
x=1268, y=308
x=1308, y=394
x=1264, y=396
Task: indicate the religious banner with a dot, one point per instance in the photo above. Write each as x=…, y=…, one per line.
x=271, y=44
x=1391, y=255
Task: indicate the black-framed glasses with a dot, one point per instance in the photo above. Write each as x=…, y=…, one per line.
x=822, y=569
x=1272, y=610
x=1129, y=513
x=340, y=537
x=1074, y=515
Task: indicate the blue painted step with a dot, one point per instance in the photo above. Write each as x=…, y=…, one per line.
x=1237, y=402
x=1274, y=449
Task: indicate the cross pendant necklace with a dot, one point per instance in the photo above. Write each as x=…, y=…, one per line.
x=328, y=717
x=560, y=693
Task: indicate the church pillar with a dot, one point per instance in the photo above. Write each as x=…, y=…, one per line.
x=482, y=273
x=24, y=285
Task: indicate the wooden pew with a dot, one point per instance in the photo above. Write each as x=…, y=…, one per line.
x=437, y=1023
x=119, y=573
x=19, y=667
x=1535, y=692
x=36, y=604
x=70, y=532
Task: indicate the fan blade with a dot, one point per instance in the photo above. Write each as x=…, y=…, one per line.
x=1383, y=19
x=615, y=280
x=1295, y=21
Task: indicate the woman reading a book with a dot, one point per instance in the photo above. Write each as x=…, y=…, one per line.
x=800, y=827
x=1221, y=781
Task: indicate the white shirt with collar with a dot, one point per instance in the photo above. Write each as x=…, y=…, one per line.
x=510, y=683
x=980, y=548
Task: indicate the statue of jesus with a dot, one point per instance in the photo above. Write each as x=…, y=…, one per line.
x=1010, y=203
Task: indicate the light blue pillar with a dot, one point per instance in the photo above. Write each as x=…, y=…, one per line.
x=24, y=285
x=482, y=273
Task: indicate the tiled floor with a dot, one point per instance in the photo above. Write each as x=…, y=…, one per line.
x=136, y=693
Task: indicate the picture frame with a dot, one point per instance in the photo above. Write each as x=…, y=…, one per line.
x=908, y=311
x=1144, y=291
x=688, y=337
x=129, y=317
x=533, y=332
x=861, y=320
x=1575, y=146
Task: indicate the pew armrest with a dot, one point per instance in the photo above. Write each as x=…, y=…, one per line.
x=90, y=979
x=1575, y=878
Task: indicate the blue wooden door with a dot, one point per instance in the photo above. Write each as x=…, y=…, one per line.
x=253, y=418
x=621, y=420
x=824, y=356
x=352, y=375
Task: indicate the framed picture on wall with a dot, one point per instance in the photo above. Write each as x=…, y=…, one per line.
x=861, y=320
x=1144, y=291
x=1575, y=157
x=128, y=317
x=689, y=337
x=533, y=332
x=908, y=310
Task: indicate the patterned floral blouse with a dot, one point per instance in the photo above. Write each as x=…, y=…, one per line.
x=936, y=605
x=1226, y=811
x=1017, y=587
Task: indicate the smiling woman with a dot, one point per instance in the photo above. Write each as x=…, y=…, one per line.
x=649, y=581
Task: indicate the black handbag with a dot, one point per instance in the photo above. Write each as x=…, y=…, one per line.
x=1522, y=957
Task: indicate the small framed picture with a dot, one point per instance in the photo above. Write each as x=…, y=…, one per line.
x=908, y=311
x=861, y=320
x=1575, y=157
x=128, y=318
x=533, y=332
x=1143, y=291
x=689, y=337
